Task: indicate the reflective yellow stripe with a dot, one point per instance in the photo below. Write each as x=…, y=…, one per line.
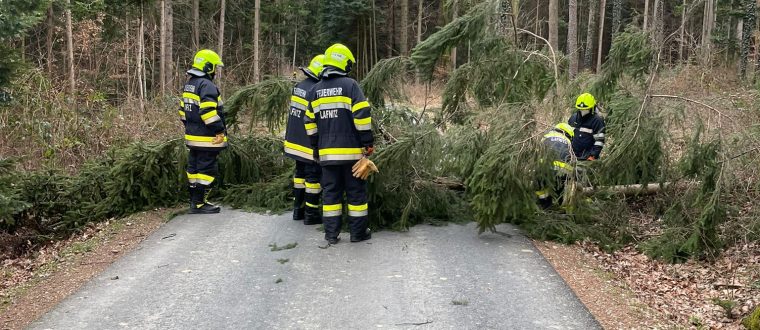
x=332, y=207
x=197, y=138
x=204, y=179
x=560, y=164
x=340, y=151
x=331, y=99
x=181, y=104
x=182, y=114
x=191, y=177
x=299, y=180
x=208, y=104
x=209, y=115
x=298, y=147
x=358, y=207
x=314, y=206
x=363, y=121
x=299, y=100
x=359, y=106
x=313, y=185
x=309, y=114
x=191, y=96
x=311, y=126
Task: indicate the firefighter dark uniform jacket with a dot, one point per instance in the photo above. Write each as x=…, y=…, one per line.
x=202, y=112
x=561, y=147
x=297, y=143
x=338, y=119
x=589, y=134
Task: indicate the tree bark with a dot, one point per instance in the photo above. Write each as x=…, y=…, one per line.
x=169, y=62
x=141, y=59
x=49, y=39
x=196, y=25
x=682, y=40
x=748, y=26
x=588, y=57
x=162, y=62
x=256, y=29
x=602, y=9
x=455, y=9
x=572, y=37
x=646, y=15
x=220, y=37
x=554, y=24
x=404, y=42
x=617, y=16
x=419, y=20
x=70, y=50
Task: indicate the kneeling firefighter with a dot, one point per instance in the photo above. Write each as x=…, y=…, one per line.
x=201, y=112
x=306, y=187
x=558, y=141
x=339, y=125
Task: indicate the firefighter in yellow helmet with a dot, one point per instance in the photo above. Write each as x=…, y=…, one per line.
x=558, y=142
x=589, y=128
x=201, y=112
x=339, y=124
x=306, y=187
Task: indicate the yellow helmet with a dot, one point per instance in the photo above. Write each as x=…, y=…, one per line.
x=207, y=60
x=585, y=102
x=565, y=128
x=315, y=66
x=339, y=56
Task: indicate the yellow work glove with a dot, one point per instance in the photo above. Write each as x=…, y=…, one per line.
x=363, y=168
x=218, y=139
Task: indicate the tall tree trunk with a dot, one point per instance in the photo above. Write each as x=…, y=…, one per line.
x=256, y=29
x=70, y=50
x=602, y=9
x=657, y=22
x=169, y=63
x=392, y=27
x=196, y=25
x=455, y=9
x=588, y=57
x=141, y=59
x=554, y=24
x=617, y=16
x=163, y=61
x=750, y=6
x=220, y=37
x=708, y=24
x=646, y=15
x=572, y=37
x=419, y=20
x=404, y=42
x=295, y=44
x=682, y=40
x=49, y=39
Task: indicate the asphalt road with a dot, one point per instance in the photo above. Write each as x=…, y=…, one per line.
x=218, y=272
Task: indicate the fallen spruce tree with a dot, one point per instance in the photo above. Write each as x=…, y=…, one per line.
x=476, y=158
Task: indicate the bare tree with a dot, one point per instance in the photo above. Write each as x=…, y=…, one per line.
x=572, y=37
x=602, y=9
x=70, y=49
x=141, y=58
x=404, y=42
x=554, y=24
x=646, y=15
x=49, y=39
x=256, y=29
x=169, y=63
x=588, y=57
x=455, y=8
x=220, y=38
x=196, y=25
x=163, y=62
x=682, y=40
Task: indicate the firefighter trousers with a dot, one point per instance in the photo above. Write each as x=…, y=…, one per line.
x=202, y=167
x=306, y=186
x=337, y=182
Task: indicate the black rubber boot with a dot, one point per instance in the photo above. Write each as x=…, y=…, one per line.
x=199, y=204
x=298, y=203
x=332, y=229
x=313, y=216
x=361, y=237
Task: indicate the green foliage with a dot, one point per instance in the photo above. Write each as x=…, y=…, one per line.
x=631, y=54
x=273, y=195
x=267, y=100
x=11, y=203
x=752, y=321
x=466, y=27
x=386, y=79
x=16, y=16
